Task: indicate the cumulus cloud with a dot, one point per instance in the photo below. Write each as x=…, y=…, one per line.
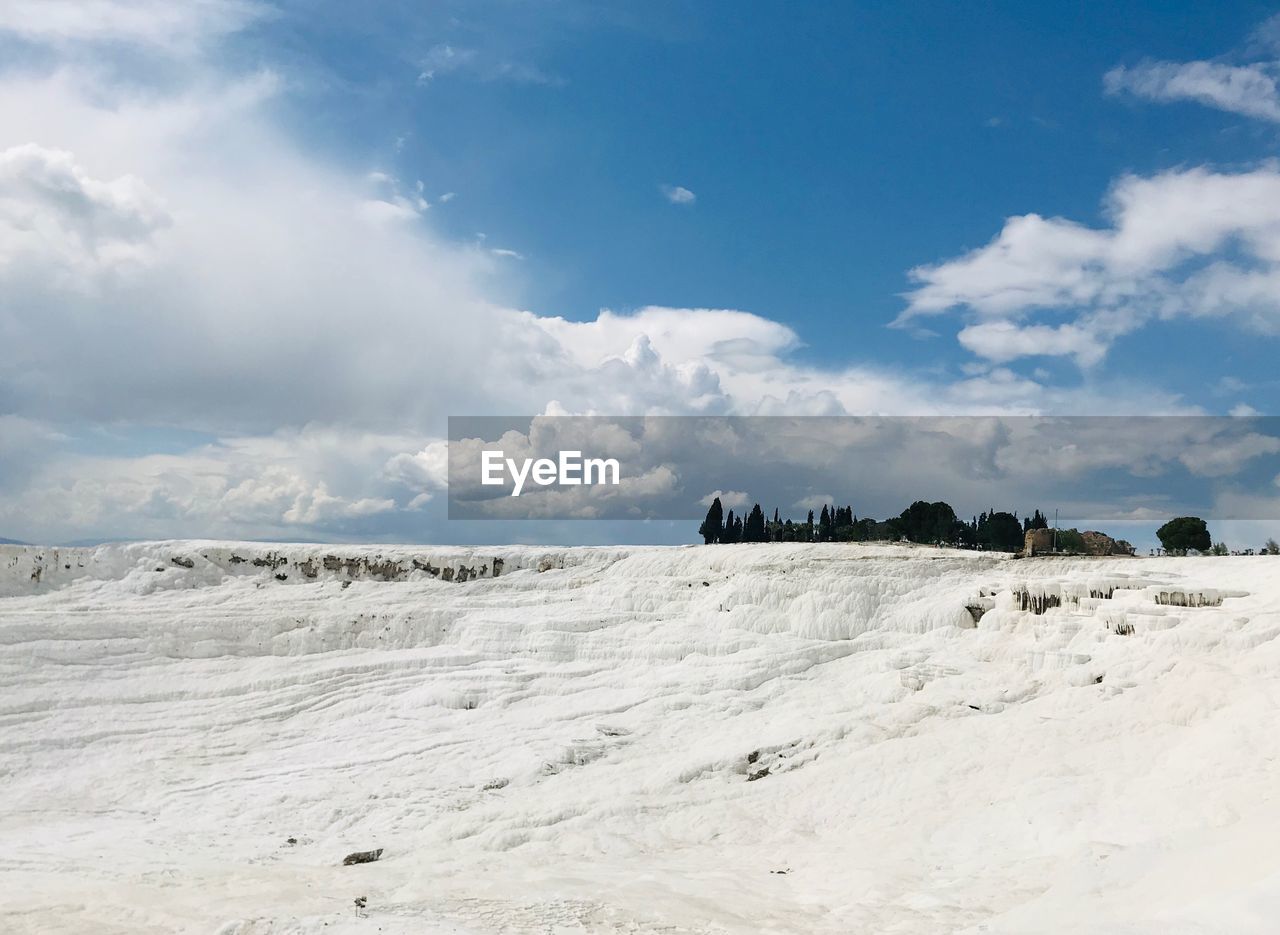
x=53, y=214
x=729, y=499
x=1192, y=242
x=171, y=258
x=815, y=502
x=1221, y=457
x=423, y=473
x=271, y=294
x=296, y=481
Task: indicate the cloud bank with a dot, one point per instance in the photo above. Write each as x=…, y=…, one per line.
x=278, y=339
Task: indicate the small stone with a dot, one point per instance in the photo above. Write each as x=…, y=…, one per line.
x=361, y=857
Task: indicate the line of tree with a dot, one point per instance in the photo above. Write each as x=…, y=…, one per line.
x=924, y=522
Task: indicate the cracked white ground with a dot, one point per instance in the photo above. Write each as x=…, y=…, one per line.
x=741, y=739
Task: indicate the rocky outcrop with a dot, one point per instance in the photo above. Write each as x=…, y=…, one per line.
x=199, y=563
x=1073, y=542
x=1099, y=543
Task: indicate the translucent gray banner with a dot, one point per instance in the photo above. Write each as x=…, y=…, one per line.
x=1133, y=468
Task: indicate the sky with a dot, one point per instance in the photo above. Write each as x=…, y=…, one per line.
x=253, y=254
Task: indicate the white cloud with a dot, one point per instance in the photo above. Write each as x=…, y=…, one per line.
x=291, y=482
x=1218, y=458
x=273, y=293
x=678, y=195
x=392, y=203
x=1248, y=88
x=1192, y=242
x=53, y=214
x=425, y=471
x=1242, y=89
x=815, y=502
x=169, y=257
x=157, y=23
x=1002, y=341
x=729, y=499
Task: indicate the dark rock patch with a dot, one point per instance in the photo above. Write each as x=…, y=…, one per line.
x=361, y=857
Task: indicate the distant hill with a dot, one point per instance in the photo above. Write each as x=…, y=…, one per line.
x=4, y=541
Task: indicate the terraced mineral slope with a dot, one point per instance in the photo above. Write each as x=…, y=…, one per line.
x=733, y=739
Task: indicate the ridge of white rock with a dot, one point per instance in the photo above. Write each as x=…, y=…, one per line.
x=726, y=739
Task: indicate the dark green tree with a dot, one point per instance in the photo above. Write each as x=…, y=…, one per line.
x=1184, y=533
x=1004, y=533
x=712, y=527
x=928, y=522
x=824, y=526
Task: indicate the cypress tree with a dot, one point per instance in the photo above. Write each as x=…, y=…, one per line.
x=712, y=528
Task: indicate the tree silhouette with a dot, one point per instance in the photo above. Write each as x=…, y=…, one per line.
x=1184, y=533
x=712, y=528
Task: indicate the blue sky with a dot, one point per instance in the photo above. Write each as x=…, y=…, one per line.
x=830, y=151
x=253, y=254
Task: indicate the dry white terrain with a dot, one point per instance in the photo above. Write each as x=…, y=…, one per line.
x=733, y=739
